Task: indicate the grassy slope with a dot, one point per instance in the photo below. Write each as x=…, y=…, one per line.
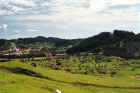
x=17, y=83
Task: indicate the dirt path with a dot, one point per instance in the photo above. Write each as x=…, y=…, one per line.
x=34, y=74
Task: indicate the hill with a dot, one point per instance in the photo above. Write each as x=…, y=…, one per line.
x=37, y=41
x=56, y=41
x=119, y=43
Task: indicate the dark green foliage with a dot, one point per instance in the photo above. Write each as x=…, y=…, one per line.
x=34, y=65
x=120, y=35
x=113, y=73
x=41, y=40
x=49, y=44
x=119, y=43
x=4, y=44
x=58, y=62
x=22, y=56
x=92, y=43
x=103, y=40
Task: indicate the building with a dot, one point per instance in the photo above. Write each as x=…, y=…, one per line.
x=49, y=56
x=62, y=55
x=13, y=50
x=34, y=50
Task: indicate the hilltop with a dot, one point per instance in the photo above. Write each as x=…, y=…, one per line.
x=119, y=43
x=37, y=41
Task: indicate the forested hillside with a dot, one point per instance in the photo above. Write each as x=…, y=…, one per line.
x=37, y=41
x=118, y=43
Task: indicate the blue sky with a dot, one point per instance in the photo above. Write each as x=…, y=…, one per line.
x=67, y=18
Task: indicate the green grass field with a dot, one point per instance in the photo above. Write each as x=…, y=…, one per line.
x=46, y=80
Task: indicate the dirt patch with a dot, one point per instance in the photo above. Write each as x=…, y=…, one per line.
x=135, y=77
x=107, y=75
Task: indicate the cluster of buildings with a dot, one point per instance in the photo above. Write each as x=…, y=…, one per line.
x=60, y=53
x=13, y=50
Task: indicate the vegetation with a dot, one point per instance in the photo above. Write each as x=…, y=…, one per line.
x=96, y=69
x=98, y=74
x=39, y=41
x=119, y=43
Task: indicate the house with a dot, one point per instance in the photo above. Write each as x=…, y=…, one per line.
x=91, y=54
x=13, y=50
x=49, y=56
x=1, y=52
x=6, y=52
x=62, y=55
x=25, y=51
x=83, y=54
x=35, y=50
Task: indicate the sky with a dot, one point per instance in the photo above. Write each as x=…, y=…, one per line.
x=67, y=19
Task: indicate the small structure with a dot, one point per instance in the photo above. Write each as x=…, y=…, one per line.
x=90, y=54
x=83, y=54
x=13, y=50
x=49, y=56
x=1, y=52
x=6, y=52
x=58, y=91
x=35, y=50
x=60, y=55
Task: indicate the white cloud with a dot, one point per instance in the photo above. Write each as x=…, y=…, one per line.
x=3, y=12
x=66, y=7
x=123, y=2
x=75, y=14
x=3, y=26
x=15, y=8
x=63, y=10
x=5, y=3
x=23, y=2
x=45, y=4
x=33, y=30
x=10, y=7
x=82, y=11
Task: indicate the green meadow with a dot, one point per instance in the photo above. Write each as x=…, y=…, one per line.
x=70, y=75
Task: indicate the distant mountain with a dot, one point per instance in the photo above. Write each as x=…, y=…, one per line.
x=37, y=41
x=118, y=43
x=56, y=41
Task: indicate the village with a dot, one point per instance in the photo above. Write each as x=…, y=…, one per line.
x=13, y=50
